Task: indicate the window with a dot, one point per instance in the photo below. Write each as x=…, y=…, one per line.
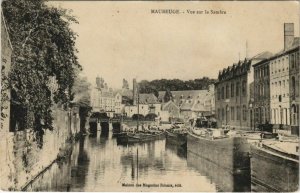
x=237, y=88
x=244, y=87
x=238, y=113
x=223, y=114
x=232, y=89
x=293, y=88
x=292, y=61
x=219, y=93
x=266, y=88
x=232, y=113
x=297, y=60
x=227, y=91
x=222, y=92
x=244, y=113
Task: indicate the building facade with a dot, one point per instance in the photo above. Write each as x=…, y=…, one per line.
x=235, y=93
x=193, y=103
x=147, y=104
x=284, y=79
x=261, y=106
x=170, y=111
x=118, y=104
x=103, y=98
x=232, y=95
x=294, y=74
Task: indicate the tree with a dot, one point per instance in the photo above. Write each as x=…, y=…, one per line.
x=168, y=96
x=43, y=47
x=174, y=84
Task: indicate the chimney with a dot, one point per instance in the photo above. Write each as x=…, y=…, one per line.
x=134, y=92
x=288, y=35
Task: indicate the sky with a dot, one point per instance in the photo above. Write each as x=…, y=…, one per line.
x=119, y=40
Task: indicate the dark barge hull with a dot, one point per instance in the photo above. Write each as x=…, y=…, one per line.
x=116, y=127
x=176, y=138
x=93, y=128
x=231, y=153
x=273, y=172
x=127, y=138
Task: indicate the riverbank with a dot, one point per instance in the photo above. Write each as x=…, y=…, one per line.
x=25, y=154
x=63, y=154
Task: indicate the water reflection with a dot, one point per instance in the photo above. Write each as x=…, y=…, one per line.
x=99, y=164
x=179, y=150
x=80, y=168
x=225, y=180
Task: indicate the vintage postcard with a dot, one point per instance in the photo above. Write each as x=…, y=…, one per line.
x=155, y=96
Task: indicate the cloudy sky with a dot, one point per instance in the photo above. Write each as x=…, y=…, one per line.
x=124, y=40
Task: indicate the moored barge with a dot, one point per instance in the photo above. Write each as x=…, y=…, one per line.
x=178, y=137
x=129, y=137
x=230, y=152
x=275, y=166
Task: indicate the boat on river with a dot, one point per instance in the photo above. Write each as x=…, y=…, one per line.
x=275, y=166
x=177, y=135
x=221, y=147
x=140, y=136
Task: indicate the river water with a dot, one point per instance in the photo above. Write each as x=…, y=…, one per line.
x=100, y=164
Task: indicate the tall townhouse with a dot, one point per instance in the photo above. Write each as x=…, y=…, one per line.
x=284, y=87
x=294, y=74
x=233, y=98
x=232, y=95
x=262, y=92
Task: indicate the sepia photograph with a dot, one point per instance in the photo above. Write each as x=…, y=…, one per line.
x=149, y=96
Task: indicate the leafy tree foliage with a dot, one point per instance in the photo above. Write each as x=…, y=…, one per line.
x=175, y=84
x=4, y=96
x=43, y=47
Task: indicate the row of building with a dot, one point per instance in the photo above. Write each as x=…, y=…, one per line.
x=263, y=89
x=127, y=102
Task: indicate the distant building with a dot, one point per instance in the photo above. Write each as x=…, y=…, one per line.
x=170, y=111
x=153, y=104
x=118, y=104
x=193, y=103
x=102, y=98
x=148, y=104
